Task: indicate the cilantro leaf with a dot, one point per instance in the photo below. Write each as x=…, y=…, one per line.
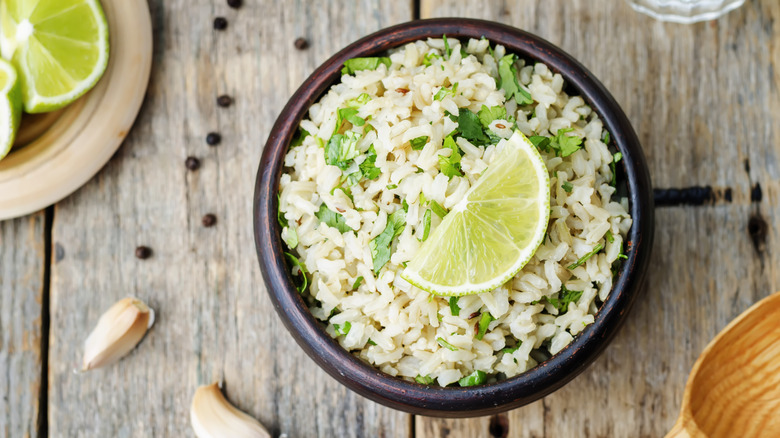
x=290, y=237
x=476, y=378
x=370, y=342
x=357, y=283
x=443, y=92
x=419, y=142
x=567, y=145
x=484, y=322
x=567, y=187
x=279, y=215
x=446, y=344
x=565, y=297
x=342, y=329
x=342, y=149
x=541, y=142
x=450, y=166
x=424, y=380
x=358, y=101
x=295, y=262
x=447, y=49
x=300, y=135
x=509, y=350
x=350, y=115
x=454, y=308
x=368, y=167
x=426, y=225
x=380, y=245
x=507, y=74
x=332, y=219
x=610, y=237
x=488, y=114
x=470, y=127
x=582, y=259
x=438, y=209
x=615, y=159
x=606, y=138
x=429, y=58
x=357, y=64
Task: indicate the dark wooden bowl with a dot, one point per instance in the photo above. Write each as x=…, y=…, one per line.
x=470, y=401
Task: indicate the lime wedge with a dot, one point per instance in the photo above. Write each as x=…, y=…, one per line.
x=59, y=48
x=10, y=106
x=494, y=231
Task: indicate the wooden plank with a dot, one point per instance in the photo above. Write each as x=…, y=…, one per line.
x=21, y=302
x=214, y=320
x=704, y=100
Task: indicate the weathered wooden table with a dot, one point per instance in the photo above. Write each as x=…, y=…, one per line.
x=704, y=99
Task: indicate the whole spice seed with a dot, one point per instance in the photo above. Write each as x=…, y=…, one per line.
x=192, y=163
x=220, y=23
x=235, y=4
x=213, y=138
x=301, y=44
x=209, y=220
x=143, y=252
x=224, y=101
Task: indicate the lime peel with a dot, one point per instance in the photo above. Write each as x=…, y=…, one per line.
x=10, y=106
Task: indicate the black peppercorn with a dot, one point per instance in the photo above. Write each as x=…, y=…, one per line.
x=209, y=220
x=143, y=252
x=235, y=4
x=301, y=44
x=220, y=23
x=192, y=163
x=224, y=101
x=213, y=138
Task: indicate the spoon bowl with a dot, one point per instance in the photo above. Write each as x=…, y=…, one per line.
x=734, y=387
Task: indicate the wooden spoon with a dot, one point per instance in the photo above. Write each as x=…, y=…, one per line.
x=734, y=387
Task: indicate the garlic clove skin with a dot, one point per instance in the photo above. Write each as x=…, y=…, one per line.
x=117, y=332
x=212, y=416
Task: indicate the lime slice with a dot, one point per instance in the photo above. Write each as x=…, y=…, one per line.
x=59, y=48
x=494, y=231
x=10, y=106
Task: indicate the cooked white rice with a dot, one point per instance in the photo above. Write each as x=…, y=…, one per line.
x=395, y=326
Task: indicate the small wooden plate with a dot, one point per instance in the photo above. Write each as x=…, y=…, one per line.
x=77, y=141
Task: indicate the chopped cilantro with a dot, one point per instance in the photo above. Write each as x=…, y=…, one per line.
x=450, y=166
x=567, y=187
x=295, y=262
x=350, y=115
x=446, y=344
x=343, y=329
x=443, y=92
x=565, y=297
x=447, y=50
x=320, y=142
x=567, y=145
x=540, y=141
x=438, y=209
x=510, y=350
x=426, y=225
x=423, y=201
x=380, y=245
x=454, y=308
x=357, y=283
x=357, y=64
x=297, y=139
x=610, y=237
x=476, y=378
x=332, y=219
x=370, y=342
x=488, y=114
x=606, y=137
x=368, y=167
x=582, y=259
x=615, y=159
x=279, y=215
x=391, y=186
x=484, y=322
x=507, y=74
x=358, y=101
x=290, y=237
x=342, y=149
x=424, y=380
x=429, y=57
x=470, y=127
x=419, y=142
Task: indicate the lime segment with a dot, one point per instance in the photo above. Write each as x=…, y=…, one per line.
x=494, y=231
x=59, y=48
x=10, y=106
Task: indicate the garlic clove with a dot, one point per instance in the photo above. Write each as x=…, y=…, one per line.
x=212, y=416
x=117, y=332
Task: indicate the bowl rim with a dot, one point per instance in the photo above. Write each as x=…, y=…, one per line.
x=411, y=397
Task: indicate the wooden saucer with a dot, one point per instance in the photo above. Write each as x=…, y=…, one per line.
x=65, y=149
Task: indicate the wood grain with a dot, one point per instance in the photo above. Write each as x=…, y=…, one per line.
x=22, y=256
x=214, y=320
x=704, y=100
